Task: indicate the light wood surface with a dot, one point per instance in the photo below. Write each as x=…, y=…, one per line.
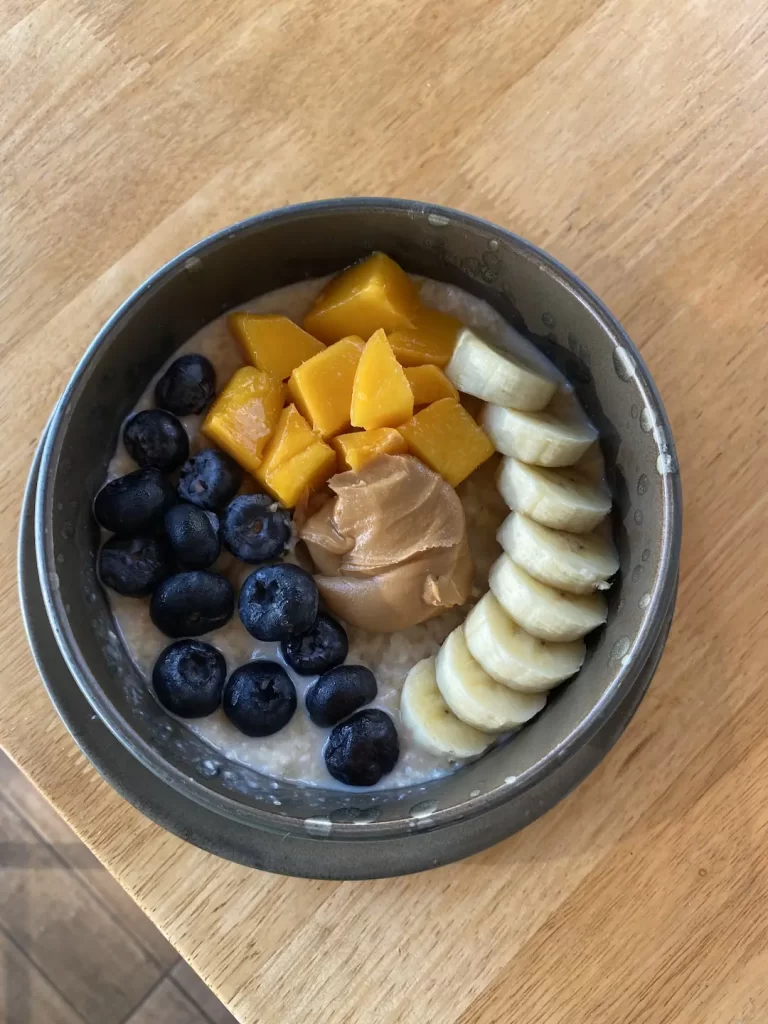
x=629, y=138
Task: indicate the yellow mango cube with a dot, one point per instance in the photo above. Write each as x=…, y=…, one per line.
x=273, y=343
x=357, y=449
x=291, y=435
x=447, y=439
x=322, y=387
x=429, y=384
x=366, y=296
x=242, y=418
x=430, y=339
x=381, y=394
x=304, y=472
x=295, y=459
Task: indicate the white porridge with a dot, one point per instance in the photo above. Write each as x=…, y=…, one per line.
x=295, y=752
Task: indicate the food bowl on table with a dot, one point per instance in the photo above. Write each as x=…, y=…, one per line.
x=319, y=831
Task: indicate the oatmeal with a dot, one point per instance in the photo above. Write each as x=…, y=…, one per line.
x=295, y=750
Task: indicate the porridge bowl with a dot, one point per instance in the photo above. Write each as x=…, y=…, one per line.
x=209, y=794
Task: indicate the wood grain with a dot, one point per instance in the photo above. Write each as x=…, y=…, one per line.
x=629, y=138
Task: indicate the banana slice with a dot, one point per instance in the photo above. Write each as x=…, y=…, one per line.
x=592, y=466
x=431, y=722
x=513, y=657
x=479, y=369
x=473, y=696
x=563, y=499
x=578, y=563
x=558, y=436
x=541, y=610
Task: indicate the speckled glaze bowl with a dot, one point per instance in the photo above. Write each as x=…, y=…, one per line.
x=170, y=773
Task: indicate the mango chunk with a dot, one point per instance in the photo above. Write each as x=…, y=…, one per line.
x=295, y=459
x=304, y=472
x=322, y=387
x=368, y=295
x=381, y=394
x=357, y=449
x=429, y=384
x=447, y=439
x=273, y=343
x=244, y=415
x=291, y=435
x=430, y=339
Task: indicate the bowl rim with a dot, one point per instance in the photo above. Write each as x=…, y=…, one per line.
x=629, y=672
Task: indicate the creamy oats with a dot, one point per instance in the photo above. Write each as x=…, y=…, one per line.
x=295, y=752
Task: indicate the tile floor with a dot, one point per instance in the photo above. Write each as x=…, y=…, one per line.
x=75, y=948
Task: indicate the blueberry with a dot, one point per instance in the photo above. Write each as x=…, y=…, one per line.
x=278, y=602
x=339, y=692
x=259, y=698
x=192, y=603
x=155, y=438
x=187, y=386
x=255, y=528
x=134, y=502
x=188, y=678
x=134, y=566
x=193, y=534
x=323, y=646
x=362, y=749
x=209, y=479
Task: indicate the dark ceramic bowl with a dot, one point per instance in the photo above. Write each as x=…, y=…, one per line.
x=231, y=809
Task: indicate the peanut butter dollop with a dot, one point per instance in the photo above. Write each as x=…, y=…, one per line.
x=391, y=548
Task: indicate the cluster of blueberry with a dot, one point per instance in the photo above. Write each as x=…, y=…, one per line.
x=166, y=537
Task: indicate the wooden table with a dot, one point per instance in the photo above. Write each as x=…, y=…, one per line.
x=629, y=138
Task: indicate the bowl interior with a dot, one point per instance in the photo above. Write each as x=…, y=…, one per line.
x=531, y=291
